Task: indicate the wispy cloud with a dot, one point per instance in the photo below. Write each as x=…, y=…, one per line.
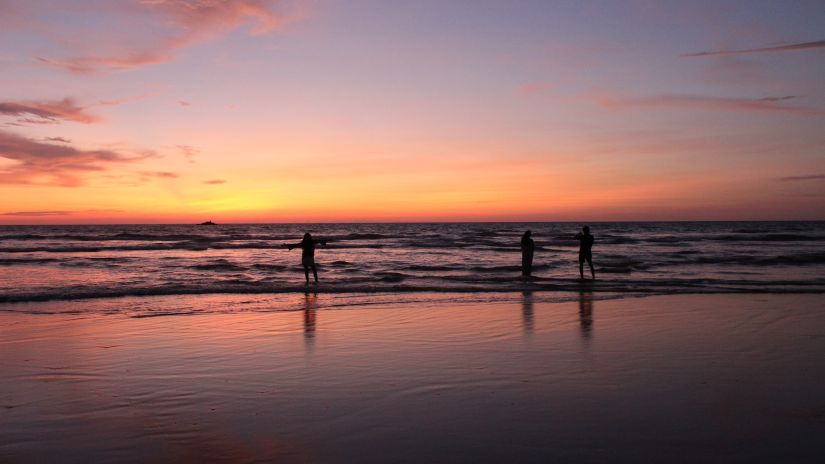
x=160, y=174
x=214, y=182
x=779, y=48
x=57, y=139
x=37, y=213
x=36, y=162
x=60, y=213
x=47, y=112
x=799, y=178
x=698, y=102
x=174, y=25
x=120, y=101
x=183, y=103
x=189, y=152
x=532, y=88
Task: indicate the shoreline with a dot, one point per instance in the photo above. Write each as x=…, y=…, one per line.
x=572, y=285
x=156, y=305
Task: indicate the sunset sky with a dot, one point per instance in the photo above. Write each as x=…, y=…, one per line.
x=167, y=111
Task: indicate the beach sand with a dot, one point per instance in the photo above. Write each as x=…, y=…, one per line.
x=689, y=378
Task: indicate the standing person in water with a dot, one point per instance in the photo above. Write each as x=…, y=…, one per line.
x=527, y=247
x=308, y=254
x=585, y=251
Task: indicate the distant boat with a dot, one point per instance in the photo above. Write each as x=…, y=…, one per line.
x=207, y=223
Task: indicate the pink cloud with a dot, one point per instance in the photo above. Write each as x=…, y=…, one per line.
x=214, y=182
x=120, y=101
x=184, y=103
x=533, y=87
x=35, y=162
x=47, y=112
x=780, y=48
x=88, y=65
x=167, y=26
x=709, y=103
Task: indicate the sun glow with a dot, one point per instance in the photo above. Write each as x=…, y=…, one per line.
x=248, y=116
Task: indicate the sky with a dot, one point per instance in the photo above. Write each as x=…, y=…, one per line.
x=180, y=111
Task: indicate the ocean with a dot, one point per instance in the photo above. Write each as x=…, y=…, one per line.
x=380, y=262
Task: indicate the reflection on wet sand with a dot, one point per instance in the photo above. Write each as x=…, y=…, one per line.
x=527, y=312
x=586, y=312
x=310, y=305
x=421, y=383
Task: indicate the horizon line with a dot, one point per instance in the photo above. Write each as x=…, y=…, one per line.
x=403, y=222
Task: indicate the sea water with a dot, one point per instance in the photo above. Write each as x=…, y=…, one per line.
x=387, y=262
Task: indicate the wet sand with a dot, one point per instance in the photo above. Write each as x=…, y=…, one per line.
x=690, y=378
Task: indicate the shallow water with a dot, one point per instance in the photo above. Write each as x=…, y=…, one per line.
x=39, y=263
x=691, y=378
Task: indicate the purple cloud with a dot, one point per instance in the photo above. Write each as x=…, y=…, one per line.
x=47, y=112
x=37, y=162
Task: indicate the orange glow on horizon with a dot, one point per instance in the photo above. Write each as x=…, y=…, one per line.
x=250, y=116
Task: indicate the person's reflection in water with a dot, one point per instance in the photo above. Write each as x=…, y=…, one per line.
x=527, y=312
x=586, y=313
x=310, y=302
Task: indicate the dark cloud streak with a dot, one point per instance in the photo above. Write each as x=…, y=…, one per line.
x=160, y=174
x=699, y=102
x=38, y=213
x=60, y=213
x=801, y=178
x=780, y=48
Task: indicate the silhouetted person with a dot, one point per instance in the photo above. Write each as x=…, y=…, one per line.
x=585, y=251
x=308, y=254
x=527, y=247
